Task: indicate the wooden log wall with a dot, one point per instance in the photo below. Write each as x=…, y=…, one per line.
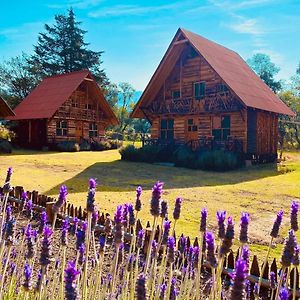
x=266, y=133
x=70, y=211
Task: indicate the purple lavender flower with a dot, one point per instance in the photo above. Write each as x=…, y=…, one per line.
x=108, y=225
x=140, y=288
x=138, y=203
x=140, y=239
x=284, y=294
x=64, y=232
x=173, y=289
x=155, y=200
x=238, y=288
x=177, y=209
x=75, y=221
x=62, y=198
x=8, y=213
x=246, y=255
x=43, y=222
x=125, y=216
x=203, y=220
x=229, y=235
x=102, y=241
x=211, y=257
x=81, y=258
x=28, y=277
x=273, y=283
x=29, y=209
x=24, y=199
x=71, y=273
x=294, y=215
x=244, y=227
x=182, y=244
x=6, y=186
x=130, y=262
x=131, y=215
x=153, y=249
x=195, y=257
x=90, y=201
x=46, y=249
x=163, y=289
x=80, y=238
x=30, y=242
x=95, y=218
x=296, y=256
x=8, y=175
x=164, y=209
x=121, y=254
x=166, y=232
x=9, y=231
x=221, y=216
x=276, y=225
x=289, y=249
x=119, y=232
x=171, y=250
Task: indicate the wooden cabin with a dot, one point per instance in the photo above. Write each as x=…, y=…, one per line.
x=67, y=107
x=205, y=96
x=5, y=110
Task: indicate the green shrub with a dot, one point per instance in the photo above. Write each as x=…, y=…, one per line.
x=184, y=157
x=68, y=146
x=115, y=144
x=6, y=134
x=129, y=153
x=85, y=146
x=149, y=154
x=100, y=146
x=5, y=146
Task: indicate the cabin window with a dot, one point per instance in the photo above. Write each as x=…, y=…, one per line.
x=75, y=103
x=61, y=128
x=88, y=106
x=176, y=94
x=93, y=130
x=167, y=129
x=221, y=127
x=191, y=126
x=199, y=90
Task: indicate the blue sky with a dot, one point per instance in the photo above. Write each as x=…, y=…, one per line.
x=135, y=34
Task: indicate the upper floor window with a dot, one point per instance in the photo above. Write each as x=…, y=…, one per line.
x=222, y=88
x=176, y=94
x=93, y=130
x=199, y=90
x=88, y=106
x=61, y=128
x=192, y=127
x=75, y=103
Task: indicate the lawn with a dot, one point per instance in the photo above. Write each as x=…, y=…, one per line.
x=260, y=190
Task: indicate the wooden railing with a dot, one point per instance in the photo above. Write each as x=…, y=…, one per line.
x=45, y=203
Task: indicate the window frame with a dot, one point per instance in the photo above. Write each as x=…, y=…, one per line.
x=62, y=128
x=200, y=96
x=191, y=126
x=222, y=129
x=179, y=94
x=93, y=130
x=167, y=132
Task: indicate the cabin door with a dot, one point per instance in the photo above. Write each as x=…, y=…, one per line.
x=79, y=130
x=191, y=129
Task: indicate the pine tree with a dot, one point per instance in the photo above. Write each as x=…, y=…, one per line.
x=62, y=49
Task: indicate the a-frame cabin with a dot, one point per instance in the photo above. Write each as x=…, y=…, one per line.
x=67, y=107
x=205, y=95
x=5, y=110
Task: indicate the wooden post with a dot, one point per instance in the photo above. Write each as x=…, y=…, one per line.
x=29, y=131
x=49, y=211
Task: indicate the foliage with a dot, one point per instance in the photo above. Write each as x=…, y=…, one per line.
x=6, y=134
x=182, y=156
x=262, y=65
x=68, y=146
x=85, y=146
x=289, y=127
x=100, y=146
x=62, y=49
x=5, y=146
x=115, y=144
x=17, y=79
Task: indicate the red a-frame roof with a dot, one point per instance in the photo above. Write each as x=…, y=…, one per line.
x=234, y=71
x=5, y=110
x=52, y=92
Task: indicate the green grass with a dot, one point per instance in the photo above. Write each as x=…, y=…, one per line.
x=261, y=190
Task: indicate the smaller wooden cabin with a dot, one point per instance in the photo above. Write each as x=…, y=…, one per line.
x=5, y=110
x=67, y=107
x=205, y=96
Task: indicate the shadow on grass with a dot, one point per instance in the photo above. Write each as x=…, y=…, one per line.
x=119, y=176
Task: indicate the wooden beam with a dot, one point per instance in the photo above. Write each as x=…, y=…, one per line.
x=180, y=42
x=88, y=79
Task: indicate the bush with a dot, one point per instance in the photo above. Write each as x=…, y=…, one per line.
x=85, y=146
x=184, y=157
x=6, y=134
x=100, y=146
x=129, y=153
x=115, y=144
x=68, y=146
x=5, y=146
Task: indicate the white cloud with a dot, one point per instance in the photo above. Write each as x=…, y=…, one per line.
x=130, y=10
x=250, y=26
x=239, y=5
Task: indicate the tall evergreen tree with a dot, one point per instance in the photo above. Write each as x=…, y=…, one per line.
x=62, y=49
